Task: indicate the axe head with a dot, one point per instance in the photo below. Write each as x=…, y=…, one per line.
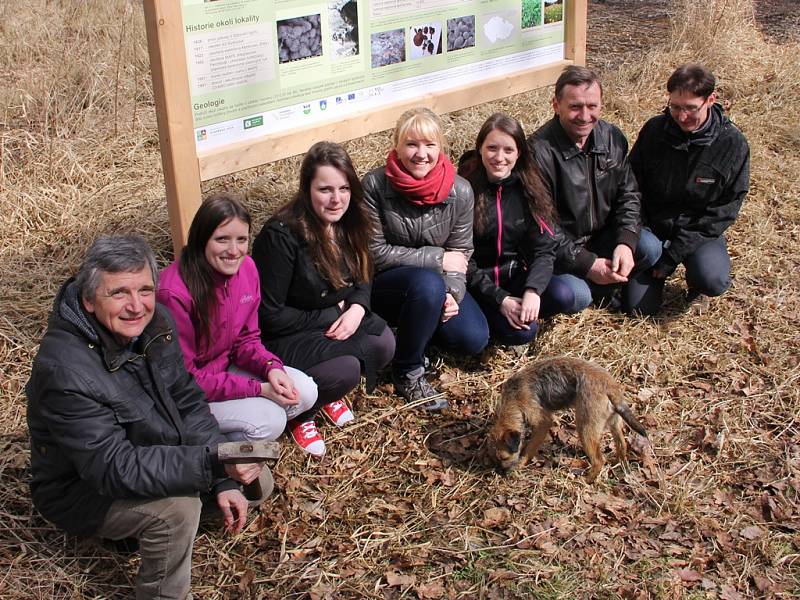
x=247, y=452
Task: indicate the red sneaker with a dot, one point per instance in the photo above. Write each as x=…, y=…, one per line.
x=307, y=437
x=338, y=413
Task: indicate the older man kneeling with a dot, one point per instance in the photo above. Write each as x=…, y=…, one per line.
x=122, y=441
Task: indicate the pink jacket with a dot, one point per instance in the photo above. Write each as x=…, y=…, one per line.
x=235, y=337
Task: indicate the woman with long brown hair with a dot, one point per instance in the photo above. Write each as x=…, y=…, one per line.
x=514, y=234
x=213, y=293
x=313, y=259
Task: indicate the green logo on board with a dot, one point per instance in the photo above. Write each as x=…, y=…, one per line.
x=253, y=122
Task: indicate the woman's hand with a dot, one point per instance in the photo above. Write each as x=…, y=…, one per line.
x=347, y=323
x=511, y=309
x=450, y=308
x=530, y=306
x=279, y=388
x=454, y=261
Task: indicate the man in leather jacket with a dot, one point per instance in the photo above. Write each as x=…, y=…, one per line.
x=584, y=161
x=693, y=167
x=122, y=441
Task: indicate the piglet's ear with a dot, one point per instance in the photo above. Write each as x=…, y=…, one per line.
x=511, y=440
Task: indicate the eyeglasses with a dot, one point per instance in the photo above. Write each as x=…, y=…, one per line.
x=690, y=110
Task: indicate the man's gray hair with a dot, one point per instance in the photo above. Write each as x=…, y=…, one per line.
x=113, y=254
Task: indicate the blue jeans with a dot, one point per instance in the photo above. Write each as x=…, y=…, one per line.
x=556, y=298
x=412, y=299
x=708, y=271
x=637, y=293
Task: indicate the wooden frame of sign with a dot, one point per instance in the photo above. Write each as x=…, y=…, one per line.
x=185, y=169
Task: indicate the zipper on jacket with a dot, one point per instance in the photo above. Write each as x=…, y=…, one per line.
x=499, y=209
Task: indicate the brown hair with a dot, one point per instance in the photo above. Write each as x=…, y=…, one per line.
x=578, y=76
x=534, y=188
x=344, y=256
x=195, y=271
x=692, y=78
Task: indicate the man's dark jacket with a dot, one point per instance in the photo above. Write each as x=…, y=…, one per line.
x=110, y=422
x=692, y=184
x=593, y=188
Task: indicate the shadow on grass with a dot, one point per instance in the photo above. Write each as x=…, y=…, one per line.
x=460, y=443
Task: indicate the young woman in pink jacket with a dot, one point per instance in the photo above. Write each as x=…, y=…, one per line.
x=213, y=293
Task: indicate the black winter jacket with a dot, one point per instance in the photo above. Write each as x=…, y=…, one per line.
x=298, y=305
x=693, y=184
x=109, y=422
x=526, y=247
x=410, y=235
x=593, y=189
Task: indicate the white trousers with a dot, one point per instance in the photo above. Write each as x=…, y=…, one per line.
x=259, y=418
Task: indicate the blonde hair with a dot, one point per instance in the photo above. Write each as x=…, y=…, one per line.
x=421, y=122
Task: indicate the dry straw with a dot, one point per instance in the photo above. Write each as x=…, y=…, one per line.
x=403, y=505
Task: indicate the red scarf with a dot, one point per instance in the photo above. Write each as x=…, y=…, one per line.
x=432, y=189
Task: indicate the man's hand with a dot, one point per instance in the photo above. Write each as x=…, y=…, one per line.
x=454, y=261
x=234, y=509
x=279, y=388
x=510, y=308
x=622, y=260
x=243, y=472
x=347, y=323
x=450, y=308
x=530, y=306
x=601, y=273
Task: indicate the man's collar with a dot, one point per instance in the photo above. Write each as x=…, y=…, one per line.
x=595, y=144
x=114, y=352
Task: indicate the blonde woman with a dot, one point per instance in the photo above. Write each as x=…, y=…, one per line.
x=422, y=212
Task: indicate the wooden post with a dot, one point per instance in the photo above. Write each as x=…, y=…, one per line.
x=575, y=31
x=165, y=40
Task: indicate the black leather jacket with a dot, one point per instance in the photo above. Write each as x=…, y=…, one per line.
x=693, y=184
x=593, y=188
x=109, y=422
x=417, y=236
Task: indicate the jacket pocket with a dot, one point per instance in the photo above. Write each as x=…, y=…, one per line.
x=132, y=406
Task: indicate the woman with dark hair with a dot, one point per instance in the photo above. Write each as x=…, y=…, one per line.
x=514, y=234
x=313, y=260
x=422, y=212
x=213, y=294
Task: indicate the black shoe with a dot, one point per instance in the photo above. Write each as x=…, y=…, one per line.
x=693, y=294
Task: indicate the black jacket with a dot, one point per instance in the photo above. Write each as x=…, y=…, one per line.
x=593, y=188
x=109, y=422
x=298, y=305
x=527, y=248
x=417, y=236
x=693, y=184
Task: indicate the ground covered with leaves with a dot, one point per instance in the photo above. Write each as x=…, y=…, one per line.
x=404, y=504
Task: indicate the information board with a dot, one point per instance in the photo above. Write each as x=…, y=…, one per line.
x=240, y=83
x=258, y=67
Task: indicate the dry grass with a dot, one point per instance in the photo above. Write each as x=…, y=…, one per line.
x=403, y=505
